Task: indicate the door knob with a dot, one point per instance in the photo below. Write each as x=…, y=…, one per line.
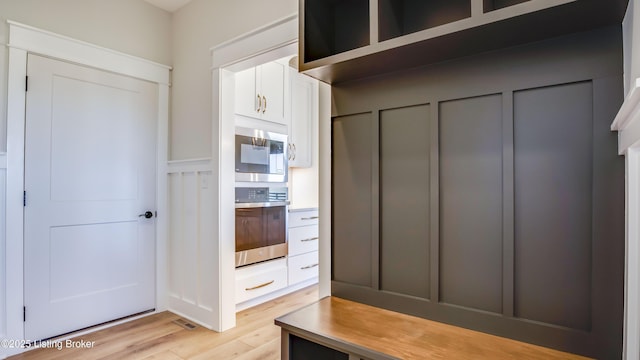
x=146, y=215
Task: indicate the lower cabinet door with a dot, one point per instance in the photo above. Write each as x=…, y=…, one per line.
x=303, y=267
x=256, y=280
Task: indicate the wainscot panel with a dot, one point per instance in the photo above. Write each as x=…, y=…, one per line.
x=487, y=193
x=191, y=235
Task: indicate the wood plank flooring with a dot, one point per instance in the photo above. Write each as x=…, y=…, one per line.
x=157, y=337
x=255, y=337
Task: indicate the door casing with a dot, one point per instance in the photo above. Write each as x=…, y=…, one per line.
x=23, y=40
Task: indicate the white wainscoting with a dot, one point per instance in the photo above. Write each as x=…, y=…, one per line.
x=192, y=240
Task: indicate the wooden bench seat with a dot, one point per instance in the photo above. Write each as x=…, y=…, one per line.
x=349, y=330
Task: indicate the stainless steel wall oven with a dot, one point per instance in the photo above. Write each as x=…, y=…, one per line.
x=261, y=224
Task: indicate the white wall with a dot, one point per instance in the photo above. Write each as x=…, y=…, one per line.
x=198, y=27
x=130, y=26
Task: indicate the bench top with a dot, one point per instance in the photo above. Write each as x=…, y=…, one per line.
x=383, y=334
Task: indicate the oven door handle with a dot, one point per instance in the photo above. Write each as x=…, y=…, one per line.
x=262, y=204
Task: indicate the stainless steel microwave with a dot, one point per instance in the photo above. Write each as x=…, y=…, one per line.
x=261, y=155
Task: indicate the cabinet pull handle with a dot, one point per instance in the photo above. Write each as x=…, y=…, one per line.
x=259, y=104
x=264, y=99
x=260, y=286
x=289, y=149
x=309, y=218
x=309, y=239
x=308, y=266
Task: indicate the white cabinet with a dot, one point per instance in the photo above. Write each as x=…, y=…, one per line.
x=303, y=246
x=260, y=279
x=303, y=239
x=303, y=267
x=304, y=112
x=261, y=92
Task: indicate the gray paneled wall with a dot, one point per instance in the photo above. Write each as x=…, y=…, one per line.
x=404, y=200
x=471, y=202
x=351, y=204
x=553, y=137
x=488, y=193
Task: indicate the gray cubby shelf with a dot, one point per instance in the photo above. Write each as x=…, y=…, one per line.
x=344, y=40
x=335, y=26
x=491, y=5
x=401, y=17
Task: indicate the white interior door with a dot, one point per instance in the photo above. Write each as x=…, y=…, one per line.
x=90, y=155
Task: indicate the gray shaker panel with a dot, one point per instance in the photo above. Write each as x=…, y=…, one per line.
x=553, y=159
x=351, y=199
x=404, y=200
x=608, y=219
x=471, y=202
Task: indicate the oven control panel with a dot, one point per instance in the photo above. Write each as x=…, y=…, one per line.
x=260, y=194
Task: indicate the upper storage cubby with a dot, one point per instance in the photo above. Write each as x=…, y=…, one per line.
x=342, y=40
x=334, y=26
x=490, y=5
x=402, y=17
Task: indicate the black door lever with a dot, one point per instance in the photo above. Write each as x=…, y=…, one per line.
x=146, y=215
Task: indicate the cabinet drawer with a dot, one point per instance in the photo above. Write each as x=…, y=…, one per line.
x=303, y=239
x=303, y=267
x=303, y=218
x=261, y=279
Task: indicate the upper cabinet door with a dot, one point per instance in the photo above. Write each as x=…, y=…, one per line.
x=260, y=92
x=272, y=89
x=304, y=110
x=246, y=98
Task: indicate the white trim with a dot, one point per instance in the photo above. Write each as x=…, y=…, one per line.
x=162, y=200
x=3, y=160
x=23, y=40
x=274, y=36
x=627, y=121
x=37, y=41
x=189, y=165
x=324, y=191
x=629, y=106
x=15, y=180
x=631, y=346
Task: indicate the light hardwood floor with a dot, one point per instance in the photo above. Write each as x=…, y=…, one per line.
x=157, y=337
x=256, y=337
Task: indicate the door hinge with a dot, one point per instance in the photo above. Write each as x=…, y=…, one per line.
x=24, y=314
x=26, y=83
x=24, y=198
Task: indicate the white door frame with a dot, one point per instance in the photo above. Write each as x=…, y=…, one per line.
x=23, y=40
x=267, y=43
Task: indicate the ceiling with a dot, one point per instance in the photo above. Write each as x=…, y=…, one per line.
x=168, y=5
